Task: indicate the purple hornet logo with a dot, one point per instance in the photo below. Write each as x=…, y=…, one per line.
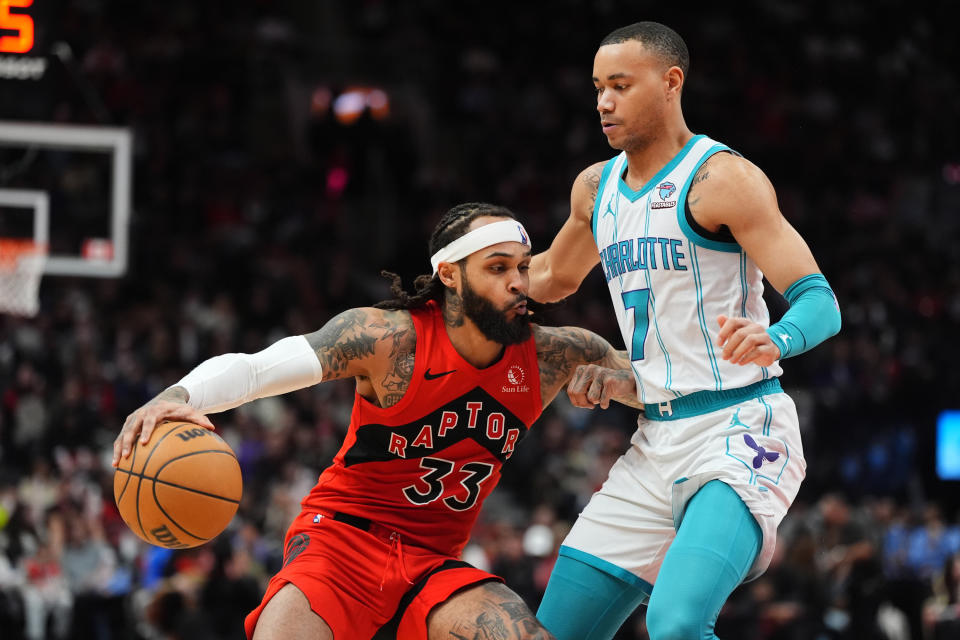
x=762, y=454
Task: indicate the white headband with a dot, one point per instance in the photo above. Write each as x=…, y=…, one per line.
x=481, y=238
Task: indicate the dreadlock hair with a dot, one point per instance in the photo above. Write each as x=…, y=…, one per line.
x=658, y=38
x=427, y=287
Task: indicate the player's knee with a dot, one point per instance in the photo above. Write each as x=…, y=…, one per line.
x=675, y=622
x=484, y=610
x=288, y=615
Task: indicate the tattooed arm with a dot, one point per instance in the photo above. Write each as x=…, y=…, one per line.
x=558, y=271
x=345, y=344
x=564, y=353
x=372, y=345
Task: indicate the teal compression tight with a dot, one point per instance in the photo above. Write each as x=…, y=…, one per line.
x=588, y=599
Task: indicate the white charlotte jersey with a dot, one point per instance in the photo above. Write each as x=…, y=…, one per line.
x=669, y=280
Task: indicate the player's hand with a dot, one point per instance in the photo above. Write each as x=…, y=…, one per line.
x=746, y=342
x=592, y=385
x=143, y=421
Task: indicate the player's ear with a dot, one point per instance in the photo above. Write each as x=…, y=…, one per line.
x=673, y=77
x=449, y=274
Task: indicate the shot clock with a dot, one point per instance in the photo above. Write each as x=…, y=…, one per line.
x=23, y=50
x=28, y=72
x=18, y=27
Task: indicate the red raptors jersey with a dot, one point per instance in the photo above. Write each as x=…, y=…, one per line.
x=424, y=466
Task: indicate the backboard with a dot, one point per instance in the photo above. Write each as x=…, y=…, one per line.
x=94, y=248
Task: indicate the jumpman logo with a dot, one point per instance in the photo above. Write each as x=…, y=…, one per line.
x=609, y=210
x=762, y=454
x=735, y=420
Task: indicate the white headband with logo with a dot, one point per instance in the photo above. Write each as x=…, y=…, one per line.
x=481, y=238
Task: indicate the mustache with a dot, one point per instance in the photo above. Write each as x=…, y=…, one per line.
x=518, y=300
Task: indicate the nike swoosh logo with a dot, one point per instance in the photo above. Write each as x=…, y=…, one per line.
x=433, y=376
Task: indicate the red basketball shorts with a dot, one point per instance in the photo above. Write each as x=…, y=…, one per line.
x=365, y=584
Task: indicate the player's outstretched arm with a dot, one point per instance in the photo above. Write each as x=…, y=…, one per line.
x=558, y=271
x=344, y=347
x=566, y=354
x=729, y=191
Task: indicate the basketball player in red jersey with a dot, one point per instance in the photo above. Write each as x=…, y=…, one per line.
x=448, y=381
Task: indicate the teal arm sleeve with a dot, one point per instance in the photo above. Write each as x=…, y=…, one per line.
x=813, y=316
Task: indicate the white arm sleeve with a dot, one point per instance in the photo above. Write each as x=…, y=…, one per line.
x=229, y=380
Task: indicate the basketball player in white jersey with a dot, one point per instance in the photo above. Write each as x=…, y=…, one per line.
x=684, y=229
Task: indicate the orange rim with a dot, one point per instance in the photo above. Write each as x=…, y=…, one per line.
x=12, y=249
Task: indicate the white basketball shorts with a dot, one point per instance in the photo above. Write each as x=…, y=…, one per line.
x=753, y=446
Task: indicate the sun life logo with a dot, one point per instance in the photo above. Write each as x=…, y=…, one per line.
x=516, y=377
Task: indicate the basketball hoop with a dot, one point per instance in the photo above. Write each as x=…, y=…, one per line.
x=21, y=267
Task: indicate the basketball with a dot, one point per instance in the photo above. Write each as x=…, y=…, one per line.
x=181, y=488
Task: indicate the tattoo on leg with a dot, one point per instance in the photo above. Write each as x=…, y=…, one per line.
x=525, y=625
x=488, y=626
x=495, y=613
x=516, y=610
x=492, y=625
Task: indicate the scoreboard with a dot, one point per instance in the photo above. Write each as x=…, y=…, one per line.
x=23, y=54
x=30, y=75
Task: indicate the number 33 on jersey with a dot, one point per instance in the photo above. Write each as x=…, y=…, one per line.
x=438, y=452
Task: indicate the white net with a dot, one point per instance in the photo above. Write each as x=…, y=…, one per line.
x=21, y=267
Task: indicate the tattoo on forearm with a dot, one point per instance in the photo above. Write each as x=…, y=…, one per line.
x=616, y=360
x=618, y=383
x=631, y=399
x=561, y=349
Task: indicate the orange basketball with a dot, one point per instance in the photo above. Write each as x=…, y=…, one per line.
x=180, y=489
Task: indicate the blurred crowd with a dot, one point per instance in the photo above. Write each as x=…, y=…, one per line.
x=262, y=207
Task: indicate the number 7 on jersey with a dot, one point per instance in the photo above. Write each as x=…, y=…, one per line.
x=638, y=299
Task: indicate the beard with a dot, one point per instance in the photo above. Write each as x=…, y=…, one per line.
x=492, y=322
